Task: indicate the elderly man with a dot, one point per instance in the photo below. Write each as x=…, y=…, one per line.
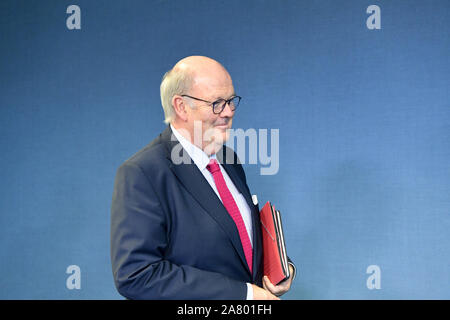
x=183, y=224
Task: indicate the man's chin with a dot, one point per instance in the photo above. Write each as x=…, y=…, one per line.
x=223, y=132
x=217, y=138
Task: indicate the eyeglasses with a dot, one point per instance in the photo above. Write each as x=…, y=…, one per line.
x=220, y=104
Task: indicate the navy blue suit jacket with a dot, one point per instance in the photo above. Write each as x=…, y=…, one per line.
x=171, y=236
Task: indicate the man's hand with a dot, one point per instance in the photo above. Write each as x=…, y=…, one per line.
x=280, y=289
x=262, y=294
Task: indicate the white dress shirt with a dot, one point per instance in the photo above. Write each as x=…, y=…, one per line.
x=201, y=160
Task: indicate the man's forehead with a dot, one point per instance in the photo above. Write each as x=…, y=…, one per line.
x=219, y=77
x=214, y=87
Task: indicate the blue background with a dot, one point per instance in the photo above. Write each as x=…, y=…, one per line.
x=364, y=120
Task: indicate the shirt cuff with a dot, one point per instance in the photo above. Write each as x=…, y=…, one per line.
x=249, y=291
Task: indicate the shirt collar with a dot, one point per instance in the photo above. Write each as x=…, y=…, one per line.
x=200, y=158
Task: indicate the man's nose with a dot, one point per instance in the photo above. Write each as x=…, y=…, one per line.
x=227, y=111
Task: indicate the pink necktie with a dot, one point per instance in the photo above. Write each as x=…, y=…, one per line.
x=232, y=209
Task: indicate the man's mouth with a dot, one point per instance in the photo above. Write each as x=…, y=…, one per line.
x=222, y=125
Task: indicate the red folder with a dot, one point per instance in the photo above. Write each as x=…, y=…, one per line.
x=274, y=250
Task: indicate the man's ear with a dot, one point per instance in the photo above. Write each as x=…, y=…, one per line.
x=179, y=105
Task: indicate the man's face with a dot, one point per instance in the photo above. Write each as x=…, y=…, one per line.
x=214, y=127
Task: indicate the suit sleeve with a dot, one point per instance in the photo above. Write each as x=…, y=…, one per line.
x=139, y=237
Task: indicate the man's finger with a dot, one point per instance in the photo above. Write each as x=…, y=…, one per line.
x=269, y=285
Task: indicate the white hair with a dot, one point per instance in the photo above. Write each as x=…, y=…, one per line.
x=174, y=82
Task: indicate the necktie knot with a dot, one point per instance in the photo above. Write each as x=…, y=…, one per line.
x=213, y=166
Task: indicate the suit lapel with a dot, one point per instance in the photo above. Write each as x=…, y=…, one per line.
x=196, y=184
x=257, y=243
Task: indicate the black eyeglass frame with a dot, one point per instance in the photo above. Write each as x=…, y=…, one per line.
x=215, y=103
